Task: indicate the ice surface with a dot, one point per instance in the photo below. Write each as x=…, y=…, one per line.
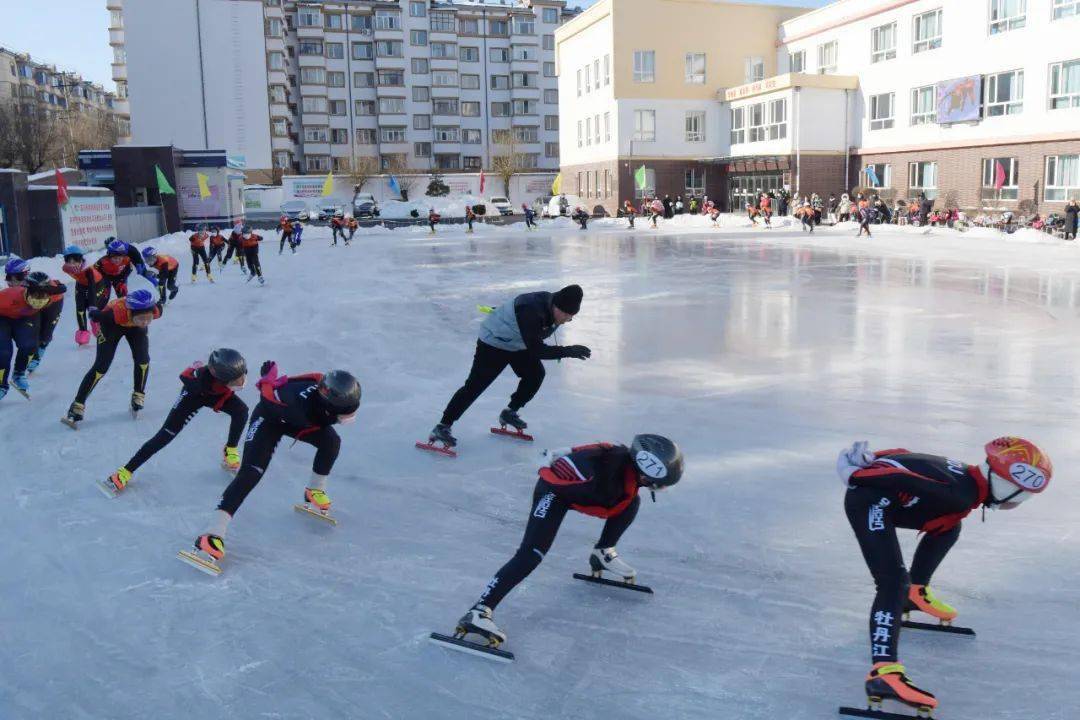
x=761, y=352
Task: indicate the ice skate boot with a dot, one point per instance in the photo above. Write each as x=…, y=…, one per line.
x=35, y=361
x=262, y=280
x=888, y=681
x=115, y=483
x=138, y=401
x=511, y=418
x=316, y=504
x=209, y=277
x=21, y=384
x=193, y=278
x=440, y=441
x=608, y=560
x=921, y=597
x=74, y=415
x=478, y=621
x=209, y=550
x=231, y=459
x=3, y=392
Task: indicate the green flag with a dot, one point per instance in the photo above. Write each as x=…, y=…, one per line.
x=163, y=186
x=639, y=177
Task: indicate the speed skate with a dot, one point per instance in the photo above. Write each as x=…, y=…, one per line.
x=459, y=643
x=516, y=434
x=200, y=563
x=321, y=515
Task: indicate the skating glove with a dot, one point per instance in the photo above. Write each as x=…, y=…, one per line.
x=856, y=457
x=578, y=352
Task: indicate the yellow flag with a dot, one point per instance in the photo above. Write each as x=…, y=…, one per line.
x=204, y=186
x=556, y=186
x=328, y=186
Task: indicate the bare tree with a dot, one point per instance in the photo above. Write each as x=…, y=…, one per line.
x=360, y=170
x=507, y=162
x=8, y=147
x=34, y=133
x=397, y=164
x=87, y=131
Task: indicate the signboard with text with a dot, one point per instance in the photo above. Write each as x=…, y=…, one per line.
x=89, y=221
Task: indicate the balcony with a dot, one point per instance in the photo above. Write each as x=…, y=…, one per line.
x=114, y=4
x=116, y=36
x=119, y=71
x=121, y=106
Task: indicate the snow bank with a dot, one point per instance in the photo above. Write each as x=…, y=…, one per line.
x=450, y=206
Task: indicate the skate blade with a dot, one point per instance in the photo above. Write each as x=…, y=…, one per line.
x=436, y=449
x=232, y=470
x=516, y=434
x=107, y=488
x=883, y=714
x=73, y=424
x=24, y=393
x=199, y=563
x=935, y=627
x=472, y=648
x=614, y=583
x=315, y=513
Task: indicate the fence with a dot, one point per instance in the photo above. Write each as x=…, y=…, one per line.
x=135, y=224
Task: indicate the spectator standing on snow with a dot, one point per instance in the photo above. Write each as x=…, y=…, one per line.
x=925, y=206
x=667, y=206
x=1072, y=214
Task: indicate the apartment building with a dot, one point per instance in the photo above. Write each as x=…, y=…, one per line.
x=59, y=90
x=309, y=86
x=121, y=106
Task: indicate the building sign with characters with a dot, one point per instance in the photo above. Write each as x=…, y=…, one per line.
x=89, y=221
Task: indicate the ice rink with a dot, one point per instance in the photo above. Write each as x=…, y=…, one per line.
x=762, y=354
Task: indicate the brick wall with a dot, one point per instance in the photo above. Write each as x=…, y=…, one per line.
x=960, y=172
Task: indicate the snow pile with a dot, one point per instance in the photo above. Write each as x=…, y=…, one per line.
x=449, y=206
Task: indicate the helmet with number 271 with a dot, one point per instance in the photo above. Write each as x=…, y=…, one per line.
x=658, y=459
x=1016, y=469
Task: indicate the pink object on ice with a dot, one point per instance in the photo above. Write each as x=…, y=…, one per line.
x=82, y=337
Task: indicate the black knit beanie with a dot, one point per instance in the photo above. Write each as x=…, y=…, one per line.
x=568, y=299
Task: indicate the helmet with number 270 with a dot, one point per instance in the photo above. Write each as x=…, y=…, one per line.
x=1016, y=470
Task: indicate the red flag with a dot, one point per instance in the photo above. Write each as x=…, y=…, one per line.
x=999, y=175
x=61, y=190
x=481, y=182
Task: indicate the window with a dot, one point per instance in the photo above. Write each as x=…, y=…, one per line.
x=551, y=15
x=418, y=37
x=339, y=136
x=826, y=58
x=365, y=136
x=445, y=106
x=548, y=42
x=756, y=120
x=551, y=96
x=391, y=78
x=335, y=51
x=596, y=128
x=421, y=93
x=646, y=188
x=362, y=51
x=1066, y=8
x=441, y=50
x=317, y=163
x=388, y=20
x=468, y=26
x=797, y=62
x=923, y=110
x=338, y=107
x=883, y=43
x=279, y=127
x=596, y=72
x=738, y=126
x=274, y=27
x=524, y=52
x=391, y=105
x=332, y=22
x=527, y=134
x=277, y=93
x=922, y=177
x=282, y=160
x=579, y=82
x=580, y=134
x=695, y=126
x=500, y=82
x=1065, y=85
x=1004, y=93
x=1007, y=15
x=524, y=80
x=499, y=55
x=310, y=47
x=420, y=66
x=313, y=76
x=881, y=177
x=335, y=79
x=500, y=28
x=695, y=181
x=422, y=149
x=446, y=134
x=442, y=21
x=644, y=66
x=316, y=134
x=471, y=162
x=551, y=150
x=392, y=134
x=388, y=48
x=524, y=107
x=607, y=127
x=500, y=109
x=470, y=82
x=754, y=69
x=361, y=24
x=695, y=68
x=276, y=61
x=309, y=17
x=926, y=31
x=549, y=69
x=418, y=8
x=421, y=122
x=1000, y=179
x=524, y=25
x=471, y=136
x=447, y=162
x=444, y=78
x=645, y=125
x=363, y=80
x=882, y=110
x=607, y=70
x=777, y=127
x=470, y=108
x=469, y=54
x=364, y=107
x=1062, y=178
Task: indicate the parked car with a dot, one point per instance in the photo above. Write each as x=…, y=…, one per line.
x=502, y=204
x=364, y=206
x=540, y=205
x=293, y=209
x=328, y=210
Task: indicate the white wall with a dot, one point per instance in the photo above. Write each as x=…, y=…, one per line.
x=584, y=48
x=967, y=49
x=671, y=128
x=165, y=84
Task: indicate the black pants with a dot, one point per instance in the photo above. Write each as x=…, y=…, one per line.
x=197, y=254
x=864, y=225
x=808, y=222
x=252, y=256
x=239, y=255
x=285, y=237
x=335, y=232
x=167, y=283
x=431, y=224
x=185, y=408
x=529, y=222
x=108, y=338
x=469, y=222
x=264, y=432
x=88, y=296
x=488, y=364
x=870, y=513
x=631, y=219
x=545, y=518
x=49, y=318
x=216, y=252
x=23, y=333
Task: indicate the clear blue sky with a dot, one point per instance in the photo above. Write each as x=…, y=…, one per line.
x=74, y=34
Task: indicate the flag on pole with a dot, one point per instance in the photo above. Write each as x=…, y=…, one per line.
x=328, y=186
x=871, y=176
x=204, y=186
x=999, y=175
x=163, y=186
x=556, y=185
x=481, y=182
x=641, y=177
x=62, y=196
x=394, y=187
